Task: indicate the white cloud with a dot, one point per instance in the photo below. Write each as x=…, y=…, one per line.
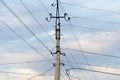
x=103, y=4
x=19, y=57
x=26, y=71
x=2, y=78
x=10, y=19
x=18, y=77
x=109, y=70
x=89, y=42
x=95, y=41
x=84, y=74
x=42, y=35
x=23, y=77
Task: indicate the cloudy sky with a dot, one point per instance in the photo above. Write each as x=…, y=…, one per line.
x=90, y=39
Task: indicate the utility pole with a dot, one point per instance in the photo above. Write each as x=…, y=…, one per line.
x=58, y=51
x=58, y=37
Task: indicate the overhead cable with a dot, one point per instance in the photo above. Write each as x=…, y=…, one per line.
x=90, y=64
x=24, y=24
x=41, y=74
x=108, y=11
x=79, y=45
x=68, y=46
x=25, y=62
x=94, y=53
x=25, y=40
x=96, y=20
x=43, y=6
x=95, y=71
x=91, y=28
x=36, y=20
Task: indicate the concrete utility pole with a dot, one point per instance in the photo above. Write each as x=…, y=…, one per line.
x=58, y=51
x=58, y=37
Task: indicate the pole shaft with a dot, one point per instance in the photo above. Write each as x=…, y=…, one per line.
x=57, y=32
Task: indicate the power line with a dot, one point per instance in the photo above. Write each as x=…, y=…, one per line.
x=84, y=27
x=25, y=62
x=74, y=77
x=16, y=73
x=82, y=51
x=100, y=54
x=98, y=29
x=6, y=72
x=58, y=17
x=72, y=66
x=44, y=6
x=24, y=24
x=62, y=7
x=108, y=11
x=36, y=18
x=74, y=33
x=77, y=41
x=68, y=46
x=71, y=56
x=63, y=73
x=41, y=74
x=25, y=40
x=68, y=75
x=96, y=20
x=75, y=36
x=95, y=71
x=90, y=64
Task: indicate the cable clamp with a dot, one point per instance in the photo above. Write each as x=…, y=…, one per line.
x=67, y=18
x=49, y=17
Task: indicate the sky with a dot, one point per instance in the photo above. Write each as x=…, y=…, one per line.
x=90, y=39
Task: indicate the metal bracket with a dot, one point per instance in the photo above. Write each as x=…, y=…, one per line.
x=62, y=64
x=49, y=17
x=67, y=18
x=53, y=4
x=63, y=54
x=60, y=53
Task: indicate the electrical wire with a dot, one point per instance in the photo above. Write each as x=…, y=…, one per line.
x=70, y=76
x=84, y=27
x=18, y=18
x=41, y=74
x=74, y=77
x=25, y=62
x=90, y=64
x=95, y=71
x=62, y=7
x=77, y=42
x=98, y=29
x=49, y=50
x=68, y=46
x=100, y=54
x=44, y=6
x=25, y=41
x=72, y=66
x=67, y=74
x=75, y=36
x=62, y=71
x=71, y=56
x=36, y=18
x=96, y=20
x=15, y=73
x=108, y=11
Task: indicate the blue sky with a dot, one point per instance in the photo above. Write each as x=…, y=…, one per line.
x=97, y=30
